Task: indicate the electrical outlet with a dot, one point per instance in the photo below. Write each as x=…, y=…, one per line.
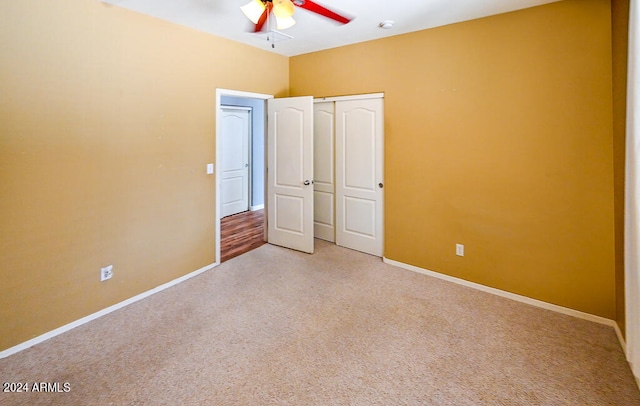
x=106, y=273
x=460, y=250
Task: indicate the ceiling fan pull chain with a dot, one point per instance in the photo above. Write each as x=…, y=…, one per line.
x=269, y=23
x=273, y=43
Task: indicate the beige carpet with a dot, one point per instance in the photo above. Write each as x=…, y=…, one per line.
x=277, y=327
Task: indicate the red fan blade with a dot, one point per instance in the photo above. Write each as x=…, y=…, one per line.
x=263, y=18
x=316, y=8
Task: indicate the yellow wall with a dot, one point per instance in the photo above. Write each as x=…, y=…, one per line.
x=620, y=33
x=106, y=126
x=498, y=136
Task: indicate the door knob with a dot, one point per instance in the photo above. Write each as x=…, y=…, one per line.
x=246, y=165
x=380, y=185
x=307, y=183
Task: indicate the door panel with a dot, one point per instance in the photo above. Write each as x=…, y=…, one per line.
x=359, y=216
x=359, y=169
x=323, y=170
x=289, y=212
x=234, y=178
x=324, y=215
x=359, y=149
x=290, y=166
x=289, y=157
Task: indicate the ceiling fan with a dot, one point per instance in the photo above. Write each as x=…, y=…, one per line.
x=258, y=12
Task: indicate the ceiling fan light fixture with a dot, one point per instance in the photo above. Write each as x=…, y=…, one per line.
x=284, y=23
x=283, y=8
x=259, y=12
x=253, y=10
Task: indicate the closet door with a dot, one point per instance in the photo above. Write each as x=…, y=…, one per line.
x=290, y=173
x=323, y=170
x=359, y=175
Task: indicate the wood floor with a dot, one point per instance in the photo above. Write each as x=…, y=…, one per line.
x=240, y=233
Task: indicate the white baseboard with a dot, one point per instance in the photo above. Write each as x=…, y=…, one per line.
x=257, y=207
x=44, y=337
x=620, y=337
x=512, y=296
x=519, y=298
x=324, y=232
x=623, y=344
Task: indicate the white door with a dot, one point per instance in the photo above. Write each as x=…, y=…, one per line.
x=359, y=180
x=290, y=173
x=234, y=168
x=323, y=170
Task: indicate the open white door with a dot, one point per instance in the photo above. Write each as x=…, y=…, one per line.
x=290, y=173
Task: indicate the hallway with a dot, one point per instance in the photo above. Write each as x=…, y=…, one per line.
x=241, y=233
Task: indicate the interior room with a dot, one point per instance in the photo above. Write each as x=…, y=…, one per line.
x=504, y=132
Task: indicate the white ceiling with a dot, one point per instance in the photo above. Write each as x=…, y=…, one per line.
x=312, y=32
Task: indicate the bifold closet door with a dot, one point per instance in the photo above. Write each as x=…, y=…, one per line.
x=359, y=174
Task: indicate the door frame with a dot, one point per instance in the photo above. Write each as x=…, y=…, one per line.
x=233, y=93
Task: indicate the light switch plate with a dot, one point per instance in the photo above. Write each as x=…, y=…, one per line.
x=209, y=169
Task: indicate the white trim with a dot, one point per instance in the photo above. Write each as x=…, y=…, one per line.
x=233, y=93
x=257, y=207
x=350, y=97
x=44, y=337
x=623, y=344
x=632, y=195
x=240, y=93
x=238, y=108
x=505, y=294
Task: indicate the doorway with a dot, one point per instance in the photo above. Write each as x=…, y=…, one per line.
x=237, y=222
